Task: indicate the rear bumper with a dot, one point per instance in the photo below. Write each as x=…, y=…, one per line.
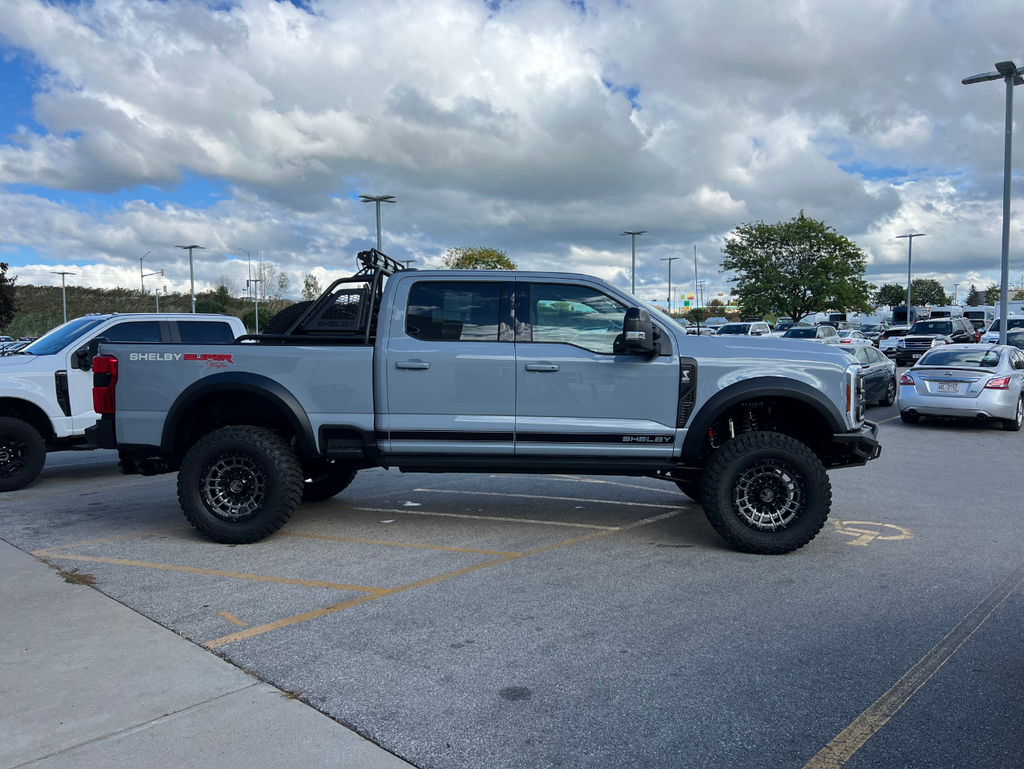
x=856, y=447
x=101, y=434
x=990, y=404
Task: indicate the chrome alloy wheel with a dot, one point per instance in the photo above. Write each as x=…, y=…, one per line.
x=13, y=455
x=1019, y=418
x=768, y=495
x=890, y=391
x=234, y=487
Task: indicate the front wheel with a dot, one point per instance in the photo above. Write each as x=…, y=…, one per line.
x=1013, y=425
x=890, y=394
x=239, y=484
x=22, y=453
x=766, y=493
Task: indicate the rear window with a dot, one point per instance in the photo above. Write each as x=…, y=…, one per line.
x=454, y=312
x=1011, y=323
x=205, y=332
x=801, y=333
x=982, y=357
x=147, y=331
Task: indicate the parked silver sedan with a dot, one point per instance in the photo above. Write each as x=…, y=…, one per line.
x=972, y=381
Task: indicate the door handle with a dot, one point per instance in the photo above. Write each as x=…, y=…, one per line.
x=418, y=365
x=542, y=367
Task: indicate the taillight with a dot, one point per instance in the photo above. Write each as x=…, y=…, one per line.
x=998, y=383
x=104, y=378
x=844, y=341
x=906, y=379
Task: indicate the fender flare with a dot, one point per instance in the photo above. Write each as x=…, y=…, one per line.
x=22, y=399
x=241, y=381
x=765, y=387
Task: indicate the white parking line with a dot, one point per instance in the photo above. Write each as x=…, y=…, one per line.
x=488, y=518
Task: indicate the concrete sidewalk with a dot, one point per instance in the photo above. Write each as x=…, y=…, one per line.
x=85, y=681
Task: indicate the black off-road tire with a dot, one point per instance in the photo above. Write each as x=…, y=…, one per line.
x=281, y=322
x=22, y=453
x=690, y=488
x=1014, y=425
x=262, y=466
x=910, y=419
x=758, y=462
x=327, y=483
x=890, y=393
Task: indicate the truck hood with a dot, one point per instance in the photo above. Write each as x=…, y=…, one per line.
x=786, y=349
x=13, y=361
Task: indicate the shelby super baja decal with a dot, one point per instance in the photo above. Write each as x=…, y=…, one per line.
x=213, y=360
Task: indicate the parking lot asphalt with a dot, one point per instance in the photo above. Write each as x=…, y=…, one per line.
x=510, y=621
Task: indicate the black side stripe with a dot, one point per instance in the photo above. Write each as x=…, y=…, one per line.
x=592, y=438
x=449, y=435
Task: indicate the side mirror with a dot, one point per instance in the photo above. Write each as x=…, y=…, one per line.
x=82, y=360
x=638, y=333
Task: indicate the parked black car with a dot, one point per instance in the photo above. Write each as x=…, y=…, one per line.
x=926, y=334
x=878, y=374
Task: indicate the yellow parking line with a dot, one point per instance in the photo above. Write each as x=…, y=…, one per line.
x=393, y=544
x=47, y=550
x=867, y=724
x=486, y=518
x=232, y=619
x=78, y=489
x=220, y=573
x=316, y=613
x=540, y=496
x=883, y=421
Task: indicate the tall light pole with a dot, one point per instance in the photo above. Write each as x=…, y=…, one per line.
x=378, y=199
x=670, y=259
x=248, y=287
x=64, y=296
x=910, y=251
x=696, y=287
x=407, y=262
x=1007, y=72
x=954, y=293
x=142, y=278
x=633, y=234
x=192, y=272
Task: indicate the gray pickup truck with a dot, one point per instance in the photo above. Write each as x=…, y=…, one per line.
x=486, y=372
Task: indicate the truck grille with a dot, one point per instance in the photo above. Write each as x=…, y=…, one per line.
x=918, y=344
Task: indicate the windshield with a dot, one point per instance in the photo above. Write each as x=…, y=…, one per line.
x=870, y=329
x=1011, y=323
x=734, y=328
x=801, y=333
x=783, y=323
x=932, y=327
x=975, y=358
x=894, y=332
x=62, y=336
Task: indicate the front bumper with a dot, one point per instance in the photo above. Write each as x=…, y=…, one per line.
x=855, y=448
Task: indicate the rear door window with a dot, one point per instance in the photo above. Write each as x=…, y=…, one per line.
x=205, y=332
x=147, y=331
x=454, y=312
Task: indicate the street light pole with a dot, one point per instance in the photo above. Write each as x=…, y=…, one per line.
x=142, y=278
x=192, y=272
x=696, y=282
x=670, y=259
x=378, y=199
x=248, y=287
x=910, y=251
x=64, y=296
x=954, y=293
x=1008, y=72
x=633, y=234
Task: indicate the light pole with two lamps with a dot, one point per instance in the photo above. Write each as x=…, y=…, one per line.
x=670, y=259
x=633, y=234
x=910, y=251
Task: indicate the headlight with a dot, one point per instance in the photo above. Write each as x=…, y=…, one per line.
x=901, y=342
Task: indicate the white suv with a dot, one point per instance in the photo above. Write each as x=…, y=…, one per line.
x=758, y=328
x=46, y=387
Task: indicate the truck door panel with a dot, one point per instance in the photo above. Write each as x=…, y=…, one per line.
x=574, y=396
x=450, y=369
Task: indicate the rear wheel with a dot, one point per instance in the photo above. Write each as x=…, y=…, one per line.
x=890, y=394
x=22, y=453
x=1013, y=425
x=766, y=493
x=239, y=484
x=326, y=482
x=910, y=419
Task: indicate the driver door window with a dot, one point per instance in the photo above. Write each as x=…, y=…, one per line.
x=575, y=315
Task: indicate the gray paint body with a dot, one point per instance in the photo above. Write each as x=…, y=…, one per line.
x=481, y=389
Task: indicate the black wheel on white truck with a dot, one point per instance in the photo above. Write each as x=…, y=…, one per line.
x=22, y=453
x=240, y=484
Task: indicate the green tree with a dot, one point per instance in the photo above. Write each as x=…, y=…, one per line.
x=891, y=296
x=1018, y=296
x=716, y=307
x=697, y=315
x=925, y=291
x=310, y=287
x=8, y=305
x=974, y=297
x=796, y=268
x=992, y=294
x=477, y=258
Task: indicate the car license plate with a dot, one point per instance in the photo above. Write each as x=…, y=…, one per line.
x=917, y=355
x=949, y=388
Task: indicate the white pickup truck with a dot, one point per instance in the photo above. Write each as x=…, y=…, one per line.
x=46, y=399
